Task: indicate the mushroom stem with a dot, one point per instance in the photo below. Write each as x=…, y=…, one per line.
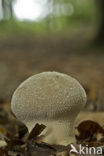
x=57, y=131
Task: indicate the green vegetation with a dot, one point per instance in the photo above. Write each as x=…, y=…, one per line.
x=83, y=15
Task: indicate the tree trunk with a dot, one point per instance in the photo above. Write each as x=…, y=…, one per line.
x=100, y=35
x=7, y=9
x=11, y=9
x=4, y=9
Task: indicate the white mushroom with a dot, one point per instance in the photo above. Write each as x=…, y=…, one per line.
x=53, y=99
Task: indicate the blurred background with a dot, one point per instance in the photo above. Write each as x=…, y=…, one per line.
x=53, y=35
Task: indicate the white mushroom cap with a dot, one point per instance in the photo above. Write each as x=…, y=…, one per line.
x=50, y=98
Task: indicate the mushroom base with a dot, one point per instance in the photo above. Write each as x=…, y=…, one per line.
x=57, y=132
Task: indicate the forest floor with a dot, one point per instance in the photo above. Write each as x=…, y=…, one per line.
x=21, y=57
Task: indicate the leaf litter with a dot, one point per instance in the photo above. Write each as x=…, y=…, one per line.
x=15, y=140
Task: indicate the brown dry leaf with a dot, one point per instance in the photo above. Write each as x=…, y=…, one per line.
x=33, y=147
x=89, y=129
x=64, y=153
x=21, y=130
x=3, y=130
x=36, y=131
x=3, y=116
x=3, y=152
x=43, y=149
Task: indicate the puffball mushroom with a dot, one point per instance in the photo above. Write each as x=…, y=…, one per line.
x=53, y=99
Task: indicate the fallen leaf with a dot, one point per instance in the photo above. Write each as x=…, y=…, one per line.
x=36, y=131
x=88, y=130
